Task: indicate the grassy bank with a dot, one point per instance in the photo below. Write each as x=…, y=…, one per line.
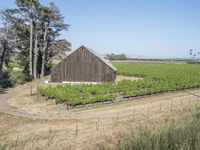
x=173, y=135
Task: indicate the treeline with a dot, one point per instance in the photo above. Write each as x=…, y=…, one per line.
x=113, y=56
x=194, y=57
x=32, y=29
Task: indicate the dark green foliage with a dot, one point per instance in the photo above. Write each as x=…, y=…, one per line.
x=30, y=30
x=6, y=80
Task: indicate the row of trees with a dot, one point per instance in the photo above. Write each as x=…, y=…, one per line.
x=113, y=56
x=32, y=28
x=193, y=55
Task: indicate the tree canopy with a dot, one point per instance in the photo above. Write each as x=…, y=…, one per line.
x=33, y=29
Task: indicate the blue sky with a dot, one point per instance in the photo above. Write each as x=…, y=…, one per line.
x=151, y=28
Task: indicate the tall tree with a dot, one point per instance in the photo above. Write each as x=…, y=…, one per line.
x=37, y=26
x=191, y=51
x=28, y=10
x=198, y=55
x=53, y=23
x=37, y=31
x=7, y=38
x=35, y=61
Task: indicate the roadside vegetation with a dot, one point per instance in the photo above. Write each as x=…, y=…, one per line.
x=173, y=135
x=157, y=78
x=171, y=127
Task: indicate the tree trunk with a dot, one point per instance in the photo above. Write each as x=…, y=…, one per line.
x=35, y=56
x=2, y=57
x=31, y=49
x=4, y=45
x=44, y=49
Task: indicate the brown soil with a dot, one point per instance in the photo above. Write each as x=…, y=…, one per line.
x=121, y=77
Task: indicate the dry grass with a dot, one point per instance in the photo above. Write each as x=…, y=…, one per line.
x=23, y=133
x=174, y=132
x=83, y=128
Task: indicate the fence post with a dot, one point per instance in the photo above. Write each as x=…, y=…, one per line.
x=117, y=117
x=148, y=112
x=37, y=91
x=31, y=90
x=160, y=108
x=171, y=105
x=97, y=124
x=76, y=127
x=133, y=114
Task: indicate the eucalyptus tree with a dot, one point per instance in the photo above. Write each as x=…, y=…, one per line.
x=36, y=27
x=194, y=56
x=53, y=23
x=7, y=37
x=28, y=12
x=198, y=55
x=38, y=31
x=191, y=52
x=58, y=51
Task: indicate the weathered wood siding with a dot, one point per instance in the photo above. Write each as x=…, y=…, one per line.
x=83, y=66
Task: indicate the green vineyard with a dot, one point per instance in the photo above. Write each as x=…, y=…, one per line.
x=156, y=78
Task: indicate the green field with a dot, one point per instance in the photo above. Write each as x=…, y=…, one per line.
x=156, y=78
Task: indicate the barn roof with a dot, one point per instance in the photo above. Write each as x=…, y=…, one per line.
x=103, y=60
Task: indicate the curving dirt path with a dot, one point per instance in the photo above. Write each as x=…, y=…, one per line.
x=32, y=118
x=17, y=101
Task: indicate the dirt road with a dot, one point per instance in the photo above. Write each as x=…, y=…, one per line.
x=18, y=101
x=35, y=122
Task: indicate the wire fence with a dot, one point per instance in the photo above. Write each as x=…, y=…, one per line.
x=151, y=111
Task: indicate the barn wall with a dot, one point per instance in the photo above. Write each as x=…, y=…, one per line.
x=82, y=65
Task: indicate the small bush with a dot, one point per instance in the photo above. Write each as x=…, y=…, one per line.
x=6, y=80
x=19, y=77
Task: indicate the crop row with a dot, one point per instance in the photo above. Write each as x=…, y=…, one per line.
x=156, y=78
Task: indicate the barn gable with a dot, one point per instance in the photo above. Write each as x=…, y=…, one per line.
x=98, y=56
x=84, y=65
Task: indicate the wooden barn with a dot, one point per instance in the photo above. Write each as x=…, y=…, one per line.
x=84, y=65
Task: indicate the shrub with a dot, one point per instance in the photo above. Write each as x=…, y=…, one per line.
x=6, y=80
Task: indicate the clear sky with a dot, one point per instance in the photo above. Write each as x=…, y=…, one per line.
x=151, y=28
